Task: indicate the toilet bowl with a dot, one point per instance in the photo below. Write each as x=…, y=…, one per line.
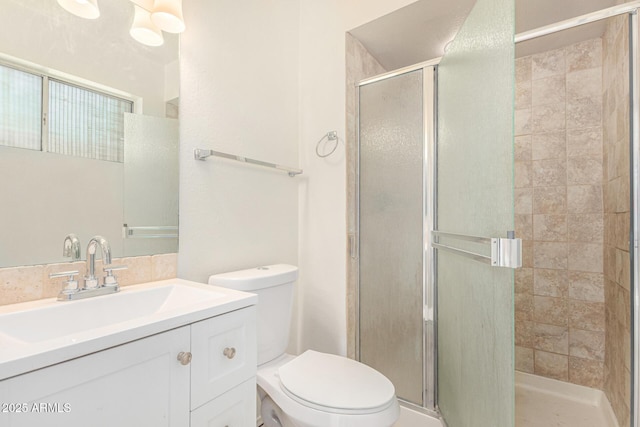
x=322, y=390
x=314, y=389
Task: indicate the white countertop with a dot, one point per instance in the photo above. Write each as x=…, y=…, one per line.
x=41, y=333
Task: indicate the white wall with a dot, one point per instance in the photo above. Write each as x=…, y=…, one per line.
x=239, y=94
x=322, y=243
x=265, y=79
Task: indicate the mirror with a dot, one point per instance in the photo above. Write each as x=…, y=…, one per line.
x=92, y=167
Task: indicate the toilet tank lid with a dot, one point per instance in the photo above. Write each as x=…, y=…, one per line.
x=256, y=278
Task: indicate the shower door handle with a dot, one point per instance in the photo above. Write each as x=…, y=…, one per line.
x=353, y=246
x=505, y=252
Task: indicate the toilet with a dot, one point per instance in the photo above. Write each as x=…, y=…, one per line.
x=314, y=389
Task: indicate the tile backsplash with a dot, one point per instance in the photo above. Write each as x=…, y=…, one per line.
x=28, y=283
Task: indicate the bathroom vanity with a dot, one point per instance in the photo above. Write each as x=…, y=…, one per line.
x=168, y=353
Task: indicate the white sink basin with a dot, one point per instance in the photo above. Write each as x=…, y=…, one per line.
x=67, y=318
x=41, y=333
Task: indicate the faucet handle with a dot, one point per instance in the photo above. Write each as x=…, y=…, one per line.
x=71, y=284
x=110, y=279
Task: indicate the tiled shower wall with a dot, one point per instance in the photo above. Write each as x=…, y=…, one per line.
x=29, y=283
x=360, y=65
x=617, y=217
x=559, y=214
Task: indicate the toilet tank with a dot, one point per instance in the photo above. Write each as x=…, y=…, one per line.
x=274, y=286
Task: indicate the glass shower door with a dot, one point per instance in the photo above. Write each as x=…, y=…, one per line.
x=391, y=159
x=475, y=198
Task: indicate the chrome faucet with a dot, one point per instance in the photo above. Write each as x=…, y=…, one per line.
x=90, y=280
x=91, y=287
x=71, y=247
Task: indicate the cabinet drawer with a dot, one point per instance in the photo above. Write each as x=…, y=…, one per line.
x=224, y=354
x=235, y=408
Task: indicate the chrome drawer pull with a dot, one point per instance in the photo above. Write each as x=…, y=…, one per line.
x=184, y=357
x=229, y=352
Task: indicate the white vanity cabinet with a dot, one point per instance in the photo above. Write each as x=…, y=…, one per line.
x=142, y=383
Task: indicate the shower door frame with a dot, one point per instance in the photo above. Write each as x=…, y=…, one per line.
x=429, y=340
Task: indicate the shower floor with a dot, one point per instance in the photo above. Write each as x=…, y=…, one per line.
x=542, y=402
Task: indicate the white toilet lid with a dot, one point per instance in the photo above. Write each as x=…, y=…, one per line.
x=335, y=382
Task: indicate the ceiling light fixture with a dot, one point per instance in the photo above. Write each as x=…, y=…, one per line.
x=151, y=16
x=87, y=9
x=167, y=15
x=144, y=30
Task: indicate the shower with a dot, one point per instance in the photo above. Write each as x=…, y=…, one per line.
x=427, y=160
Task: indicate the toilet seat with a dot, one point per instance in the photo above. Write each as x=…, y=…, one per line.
x=335, y=384
x=303, y=413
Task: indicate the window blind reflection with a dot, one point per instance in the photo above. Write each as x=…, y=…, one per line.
x=84, y=123
x=20, y=109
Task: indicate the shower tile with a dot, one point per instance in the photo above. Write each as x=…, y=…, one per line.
x=584, y=84
x=551, y=311
x=550, y=145
x=586, y=286
x=588, y=316
x=585, y=257
x=550, y=90
x=622, y=224
x=585, y=142
x=550, y=117
x=550, y=228
x=549, y=200
x=524, y=333
x=584, y=198
x=524, y=280
x=586, y=344
x=524, y=226
x=585, y=228
x=523, y=69
x=550, y=255
x=548, y=64
x=582, y=113
x=584, y=170
x=551, y=338
x=523, y=200
x=584, y=55
x=524, y=359
x=523, y=306
x=522, y=151
x=522, y=124
x=589, y=373
x=551, y=365
x=523, y=173
x=623, y=269
x=623, y=307
x=523, y=94
x=550, y=172
x=621, y=200
x=527, y=253
x=550, y=283
x=19, y=284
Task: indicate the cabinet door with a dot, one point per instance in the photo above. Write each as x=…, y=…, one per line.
x=224, y=354
x=235, y=408
x=136, y=384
